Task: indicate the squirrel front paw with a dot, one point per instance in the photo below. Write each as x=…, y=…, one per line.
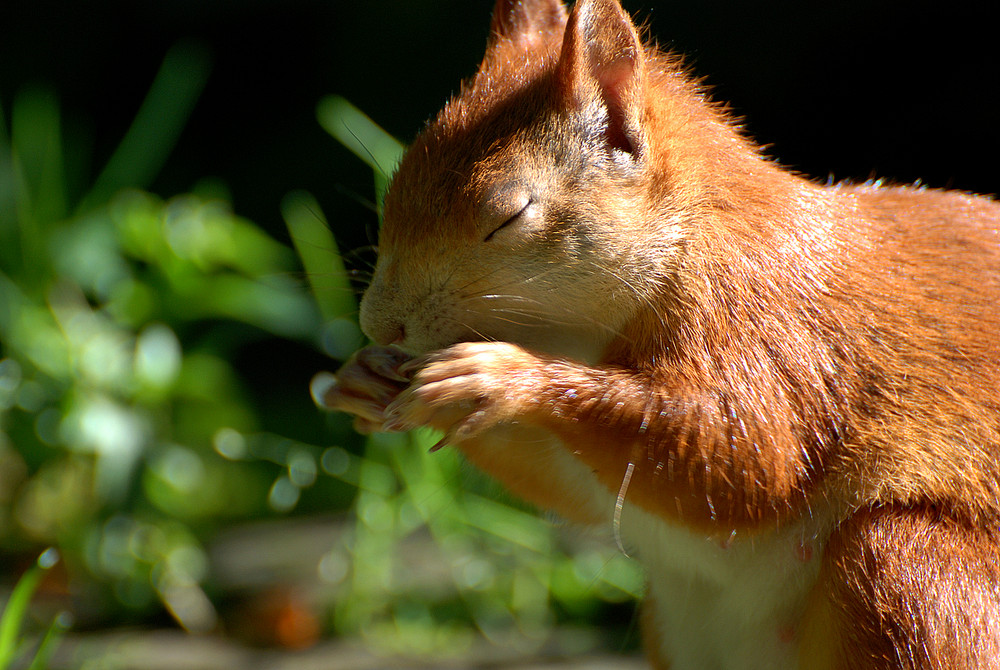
x=465, y=389
x=364, y=386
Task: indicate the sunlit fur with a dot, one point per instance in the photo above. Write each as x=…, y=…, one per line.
x=783, y=364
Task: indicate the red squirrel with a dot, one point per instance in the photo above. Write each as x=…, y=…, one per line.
x=784, y=396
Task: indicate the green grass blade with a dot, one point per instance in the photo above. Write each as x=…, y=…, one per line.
x=50, y=642
x=272, y=306
x=352, y=128
x=320, y=257
x=17, y=606
x=157, y=125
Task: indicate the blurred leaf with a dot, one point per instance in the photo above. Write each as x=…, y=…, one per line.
x=191, y=486
x=32, y=186
x=59, y=500
x=31, y=331
x=209, y=235
x=509, y=524
x=193, y=243
x=88, y=251
x=272, y=304
x=36, y=145
x=208, y=396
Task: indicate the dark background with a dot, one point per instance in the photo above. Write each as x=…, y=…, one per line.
x=851, y=89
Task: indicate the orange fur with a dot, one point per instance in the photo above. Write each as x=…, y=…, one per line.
x=913, y=588
x=596, y=269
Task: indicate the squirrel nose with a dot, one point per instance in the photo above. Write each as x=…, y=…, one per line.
x=388, y=333
x=381, y=315
x=396, y=335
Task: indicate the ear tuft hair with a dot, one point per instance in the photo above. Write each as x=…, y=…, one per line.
x=603, y=56
x=526, y=22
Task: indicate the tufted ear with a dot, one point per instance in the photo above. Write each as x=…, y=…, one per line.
x=602, y=61
x=526, y=23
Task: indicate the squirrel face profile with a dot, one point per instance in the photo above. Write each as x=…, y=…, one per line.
x=785, y=397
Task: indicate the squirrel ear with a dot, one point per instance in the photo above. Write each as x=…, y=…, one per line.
x=602, y=60
x=526, y=22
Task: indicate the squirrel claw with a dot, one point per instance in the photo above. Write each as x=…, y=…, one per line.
x=468, y=428
x=410, y=367
x=395, y=425
x=385, y=362
x=395, y=419
x=471, y=426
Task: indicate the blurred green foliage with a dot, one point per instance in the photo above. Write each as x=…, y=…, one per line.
x=128, y=436
x=119, y=406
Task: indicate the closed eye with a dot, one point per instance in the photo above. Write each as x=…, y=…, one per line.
x=508, y=221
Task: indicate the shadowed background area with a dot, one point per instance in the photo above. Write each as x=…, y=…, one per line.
x=158, y=331
x=853, y=89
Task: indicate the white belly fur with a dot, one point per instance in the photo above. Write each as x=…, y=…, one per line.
x=718, y=604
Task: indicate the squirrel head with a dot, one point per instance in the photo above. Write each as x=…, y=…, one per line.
x=531, y=209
